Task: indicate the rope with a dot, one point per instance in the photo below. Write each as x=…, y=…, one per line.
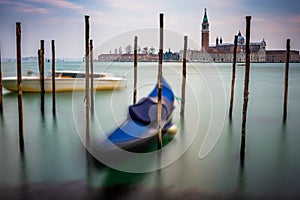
x=178, y=99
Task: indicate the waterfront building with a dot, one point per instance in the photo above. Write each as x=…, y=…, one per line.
x=280, y=56
x=127, y=57
x=171, y=56
x=217, y=52
x=223, y=52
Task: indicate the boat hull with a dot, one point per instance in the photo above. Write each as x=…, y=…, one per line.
x=32, y=84
x=141, y=128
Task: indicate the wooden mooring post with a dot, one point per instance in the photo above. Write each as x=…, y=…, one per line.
x=42, y=77
x=1, y=100
x=92, y=76
x=135, y=70
x=183, y=84
x=246, y=90
x=19, y=82
x=87, y=85
x=233, y=77
x=53, y=77
x=159, y=80
x=286, y=80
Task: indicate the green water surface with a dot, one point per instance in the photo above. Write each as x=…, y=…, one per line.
x=55, y=155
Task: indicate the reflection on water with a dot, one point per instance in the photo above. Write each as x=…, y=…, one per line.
x=241, y=182
x=54, y=156
x=23, y=174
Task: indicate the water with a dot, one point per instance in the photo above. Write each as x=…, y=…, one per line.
x=56, y=164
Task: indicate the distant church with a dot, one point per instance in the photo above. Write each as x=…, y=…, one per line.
x=219, y=52
x=223, y=52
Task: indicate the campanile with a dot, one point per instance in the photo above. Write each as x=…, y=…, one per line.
x=205, y=32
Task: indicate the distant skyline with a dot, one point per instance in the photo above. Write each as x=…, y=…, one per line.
x=63, y=21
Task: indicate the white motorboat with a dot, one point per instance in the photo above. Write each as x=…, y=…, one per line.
x=65, y=81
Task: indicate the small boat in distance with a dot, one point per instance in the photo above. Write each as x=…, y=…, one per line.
x=65, y=81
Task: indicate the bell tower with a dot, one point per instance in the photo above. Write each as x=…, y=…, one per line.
x=205, y=32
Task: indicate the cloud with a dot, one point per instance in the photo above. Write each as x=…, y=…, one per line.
x=63, y=4
x=295, y=19
x=126, y=4
x=98, y=17
x=40, y=7
x=25, y=7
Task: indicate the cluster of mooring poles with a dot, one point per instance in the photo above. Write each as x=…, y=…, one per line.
x=246, y=86
x=41, y=63
x=89, y=79
x=89, y=87
x=89, y=98
x=19, y=81
x=159, y=78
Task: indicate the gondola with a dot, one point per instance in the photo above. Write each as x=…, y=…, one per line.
x=140, y=128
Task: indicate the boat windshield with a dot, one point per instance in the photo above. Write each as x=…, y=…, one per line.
x=76, y=75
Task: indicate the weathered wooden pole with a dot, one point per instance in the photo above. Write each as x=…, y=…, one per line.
x=39, y=63
x=40, y=67
x=233, y=77
x=87, y=86
x=92, y=76
x=1, y=101
x=183, y=77
x=135, y=70
x=53, y=77
x=19, y=81
x=286, y=80
x=246, y=88
x=159, y=80
x=42, y=78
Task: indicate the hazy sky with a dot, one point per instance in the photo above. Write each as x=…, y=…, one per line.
x=63, y=20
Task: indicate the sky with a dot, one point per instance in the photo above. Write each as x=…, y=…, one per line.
x=63, y=21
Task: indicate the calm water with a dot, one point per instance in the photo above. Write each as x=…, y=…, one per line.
x=208, y=144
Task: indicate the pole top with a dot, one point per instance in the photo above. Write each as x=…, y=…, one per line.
x=161, y=20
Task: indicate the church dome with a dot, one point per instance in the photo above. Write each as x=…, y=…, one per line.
x=241, y=39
